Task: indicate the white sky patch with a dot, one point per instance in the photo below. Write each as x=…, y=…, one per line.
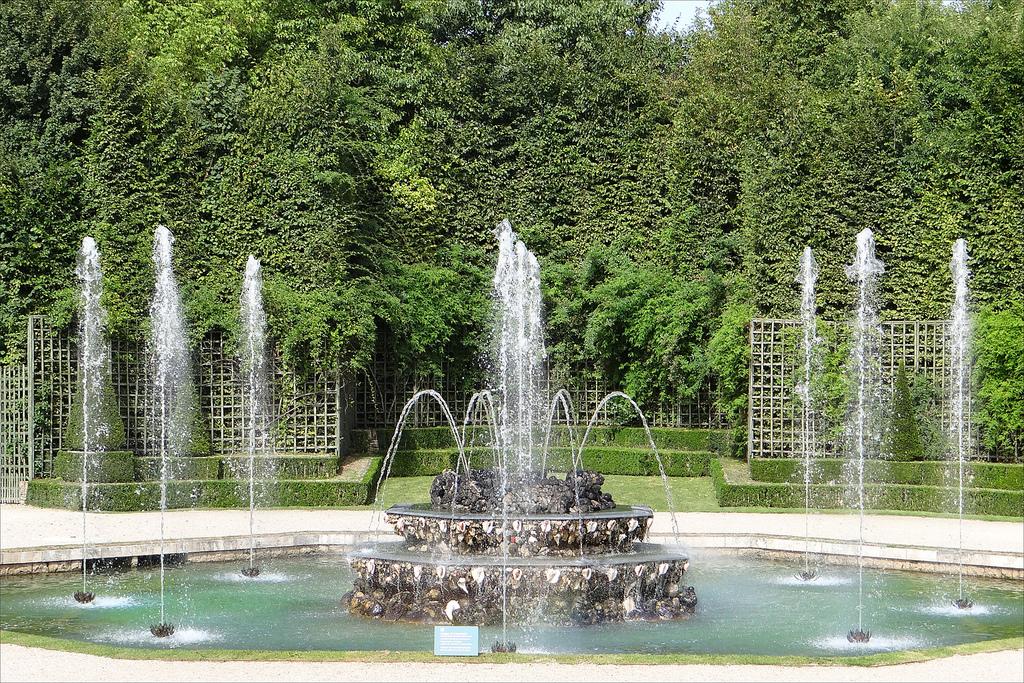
x=677, y=15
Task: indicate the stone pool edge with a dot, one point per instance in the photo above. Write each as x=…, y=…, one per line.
x=37, y=560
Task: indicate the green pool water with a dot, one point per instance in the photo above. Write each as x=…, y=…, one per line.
x=746, y=606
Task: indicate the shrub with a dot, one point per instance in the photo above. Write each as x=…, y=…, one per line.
x=903, y=436
x=108, y=466
x=110, y=434
x=984, y=475
x=220, y=493
x=911, y=497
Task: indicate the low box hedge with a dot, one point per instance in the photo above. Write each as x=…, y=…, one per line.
x=635, y=462
x=147, y=468
x=218, y=493
x=983, y=475
x=283, y=466
x=105, y=466
x=436, y=438
x=910, y=497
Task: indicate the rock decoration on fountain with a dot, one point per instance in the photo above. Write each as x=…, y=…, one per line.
x=450, y=568
x=480, y=491
x=396, y=589
x=602, y=529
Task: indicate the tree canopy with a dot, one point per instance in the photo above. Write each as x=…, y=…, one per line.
x=365, y=149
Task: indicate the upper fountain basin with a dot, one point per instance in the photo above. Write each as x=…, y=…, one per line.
x=604, y=531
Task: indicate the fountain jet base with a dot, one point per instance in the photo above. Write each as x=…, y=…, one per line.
x=162, y=630
x=251, y=572
x=858, y=636
x=807, y=575
x=507, y=646
x=963, y=603
x=84, y=597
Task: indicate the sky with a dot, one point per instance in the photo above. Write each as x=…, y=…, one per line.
x=679, y=13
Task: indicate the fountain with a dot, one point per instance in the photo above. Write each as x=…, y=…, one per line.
x=513, y=543
x=95, y=364
x=807, y=277
x=865, y=370
x=255, y=399
x=169, y=354
x=959, y=424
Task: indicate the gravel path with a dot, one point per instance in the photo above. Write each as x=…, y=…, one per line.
x=30, y=664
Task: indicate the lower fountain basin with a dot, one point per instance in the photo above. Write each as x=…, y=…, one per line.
x=396, y=583
x=748, y=606
x=606, y=531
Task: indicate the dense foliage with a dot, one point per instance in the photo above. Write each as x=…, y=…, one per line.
x=364, y=150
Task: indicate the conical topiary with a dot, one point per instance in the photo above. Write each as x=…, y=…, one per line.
x=110, y=434
x=904, y=434
x=195, y=438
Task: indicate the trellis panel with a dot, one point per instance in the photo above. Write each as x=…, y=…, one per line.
x=773, y=411
x=15, y=432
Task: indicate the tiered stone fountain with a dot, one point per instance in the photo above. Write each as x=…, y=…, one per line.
x=511, y=543
x=561, y=565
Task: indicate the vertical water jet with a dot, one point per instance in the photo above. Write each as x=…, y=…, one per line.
x=255, y=398
x=807, y=277
x=519, y=367
x=960, y=403
x=171, y=388
x=865, y=370
x=93, y=367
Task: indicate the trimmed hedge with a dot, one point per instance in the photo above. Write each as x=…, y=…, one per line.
x=929, y=473
x=911, y=497
x=437, y=438
x=112, y=434
x=219, y=493
x=635, y=462
x=284, y=466
x=107, y=466
x=194, y=467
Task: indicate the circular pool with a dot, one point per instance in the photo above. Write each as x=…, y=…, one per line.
x=747, y=606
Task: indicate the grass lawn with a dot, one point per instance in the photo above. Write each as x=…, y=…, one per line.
x=690, y=494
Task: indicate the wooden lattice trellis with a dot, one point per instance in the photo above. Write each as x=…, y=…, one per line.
x=307, y=413
x=382, y=393
x=15, y=432
x=773, y=415
x=311, y=414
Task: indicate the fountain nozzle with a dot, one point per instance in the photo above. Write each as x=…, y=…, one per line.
x=251, y=571
x=807, y=575
x=162, y=630
x=84, y=597
x=963, y=603
x=858, y=636
x=507, y=646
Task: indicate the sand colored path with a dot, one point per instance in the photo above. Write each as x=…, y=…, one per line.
x=29, y=664
x=27, y=527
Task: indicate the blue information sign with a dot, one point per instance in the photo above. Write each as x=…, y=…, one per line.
x=457, y=641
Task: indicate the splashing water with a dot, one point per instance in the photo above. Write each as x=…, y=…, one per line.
x=519, y=362
x=520, y=352
x=255, y=398
x=170, y=360
x=865, y=368
x=959, y=424
x=669, y=500
x=396, y=438
x=807, y=277
x=518, y=415
x=95, y=365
